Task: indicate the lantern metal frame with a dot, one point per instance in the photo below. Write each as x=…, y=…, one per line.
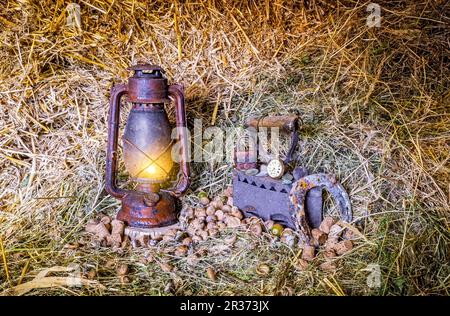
x=148, y=206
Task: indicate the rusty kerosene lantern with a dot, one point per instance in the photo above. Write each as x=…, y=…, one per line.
x=147, y=148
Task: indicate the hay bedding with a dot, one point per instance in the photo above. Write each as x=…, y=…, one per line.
x=374, y=102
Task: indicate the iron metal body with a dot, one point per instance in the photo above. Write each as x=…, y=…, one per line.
x=147, y=142
x=263, y=197
x=297, y=205
x=270, y=199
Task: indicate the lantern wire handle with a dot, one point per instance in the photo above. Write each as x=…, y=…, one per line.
x=183, y=182
x=117, y=91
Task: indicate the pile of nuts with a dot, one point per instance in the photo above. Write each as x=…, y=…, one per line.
x=333, y=239
x=211, y=217
x=106, y=231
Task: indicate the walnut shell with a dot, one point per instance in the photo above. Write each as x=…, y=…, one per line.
x=210, y=210
x=236, y=213
x=301, y=264
x=211, y=225
x=232, y=221
x=308, y=253
x=319, y=236
x=122, y=269
x=219, y=215
x=187, y=241
x=181, y=250
x=326, y=224
x=343, y=247
x=255, y=229
x=211, y=218
x=200, y=212
x=226, y=208
x=204, y=201
x=228, y=191
x=335, y=232
x=269, y=224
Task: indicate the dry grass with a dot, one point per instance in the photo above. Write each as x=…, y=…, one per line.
x=375, y=102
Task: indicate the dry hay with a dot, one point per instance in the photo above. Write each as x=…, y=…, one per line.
x=374, y=102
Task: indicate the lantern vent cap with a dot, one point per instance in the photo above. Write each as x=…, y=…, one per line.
x=146, y=70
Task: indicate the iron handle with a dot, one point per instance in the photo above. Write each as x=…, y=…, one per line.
x=287, y=123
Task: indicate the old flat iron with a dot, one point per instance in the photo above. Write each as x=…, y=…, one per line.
x=295, y=201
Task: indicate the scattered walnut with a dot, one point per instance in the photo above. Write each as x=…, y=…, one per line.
x=226, y=208
x=228, y=191
x=343, y=247
x=232, y=222
x=100, y=230
x=204, y=201
x=210, y=210
x=319, y=236
x=211, y=218
x=122, y=269
x=187, y=241
x=181, y=251
x=328, y=266
x=166, y=267
x=301, y=264
x=326, y=224
x=256, y=229
x=236, y=213
x=308, y=253
x=212, y=275
x=219, y=215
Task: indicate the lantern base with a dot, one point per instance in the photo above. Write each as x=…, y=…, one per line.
x=146, y=236
x=137, y=212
